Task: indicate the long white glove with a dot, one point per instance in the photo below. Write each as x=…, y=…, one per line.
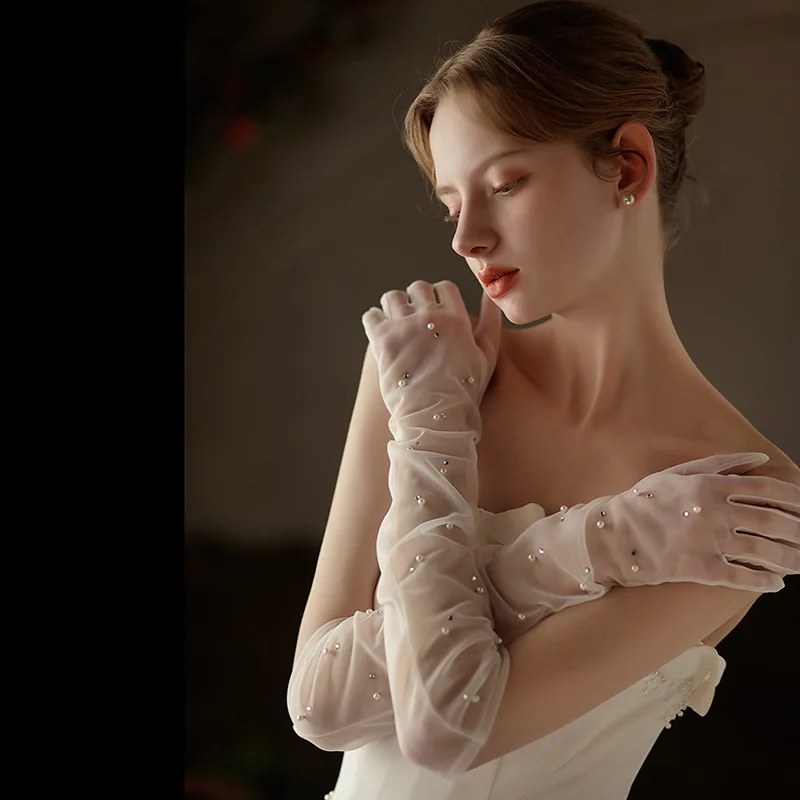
x=339, y=695
x=677, y=525
x=446, y=687
x=431, y=373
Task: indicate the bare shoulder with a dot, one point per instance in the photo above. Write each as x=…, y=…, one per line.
x=729, y=430
x=746, y=438
x=779, y=466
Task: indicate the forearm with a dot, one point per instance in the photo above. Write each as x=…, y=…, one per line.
x=344, y=582
x=348, y=710
x=338, y=695
x=446, y=669
x=547, y=568
x=347, y=567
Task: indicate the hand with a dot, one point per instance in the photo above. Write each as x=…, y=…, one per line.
x=699, y=522
x=631, y=539
x=429, y=357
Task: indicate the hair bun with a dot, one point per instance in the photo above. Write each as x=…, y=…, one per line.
x=685, y=75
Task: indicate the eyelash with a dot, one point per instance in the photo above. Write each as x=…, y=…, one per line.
x=505, y=189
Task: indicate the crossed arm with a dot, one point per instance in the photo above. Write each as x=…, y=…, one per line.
x=557, y=671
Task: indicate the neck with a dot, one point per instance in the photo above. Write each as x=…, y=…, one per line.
x=618, y=362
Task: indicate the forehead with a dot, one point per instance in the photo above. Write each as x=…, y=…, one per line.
x=459, y=139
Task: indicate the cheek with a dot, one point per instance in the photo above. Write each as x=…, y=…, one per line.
x=554, y=229
x=579, y=225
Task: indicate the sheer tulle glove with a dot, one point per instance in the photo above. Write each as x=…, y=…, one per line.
x=698, y=522
x=445, y=670
x=415, y=666
x=433, y=368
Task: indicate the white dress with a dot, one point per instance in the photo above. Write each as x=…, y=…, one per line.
x=595, y=757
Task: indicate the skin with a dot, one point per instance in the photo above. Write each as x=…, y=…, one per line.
x=612, y=354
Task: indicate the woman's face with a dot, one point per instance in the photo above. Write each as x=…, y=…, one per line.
x=542, y=211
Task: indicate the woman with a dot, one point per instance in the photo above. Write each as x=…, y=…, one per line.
x=531, y=471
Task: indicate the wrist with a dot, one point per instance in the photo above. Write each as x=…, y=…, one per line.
x=448, y=421
x=448, y=397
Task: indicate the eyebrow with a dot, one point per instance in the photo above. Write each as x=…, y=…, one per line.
x=443, y=190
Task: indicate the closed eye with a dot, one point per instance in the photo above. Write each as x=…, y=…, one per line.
x=507, y=189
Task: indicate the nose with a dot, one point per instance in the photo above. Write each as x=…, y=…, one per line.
x=473, y=237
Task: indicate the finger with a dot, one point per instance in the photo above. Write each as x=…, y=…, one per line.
x=764, y=491
x=422, y=295
x=395, y=304
x=763, y=520
x=450, y=297
x=772, y=555
x=370, y=320
x=720, y=464
x=742, y=577
x=489, y=328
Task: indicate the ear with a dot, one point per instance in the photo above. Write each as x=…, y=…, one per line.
x=636, y=173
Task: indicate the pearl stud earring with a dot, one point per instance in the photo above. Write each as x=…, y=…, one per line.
x=628, y=199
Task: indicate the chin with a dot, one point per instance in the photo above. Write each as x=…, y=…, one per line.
x=515, y=317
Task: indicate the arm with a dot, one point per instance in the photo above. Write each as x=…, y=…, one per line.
x=338, y=694
x=340, y=691
x=394, y=644
x=446, y=669
x=558, y=670
x=715, y=637
x=459, y=699
x=575, y=660
x=347, y=568
x=349, y=710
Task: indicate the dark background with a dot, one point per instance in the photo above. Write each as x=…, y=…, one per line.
x=302, y=208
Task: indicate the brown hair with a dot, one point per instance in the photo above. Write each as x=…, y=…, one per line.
x=571, y=70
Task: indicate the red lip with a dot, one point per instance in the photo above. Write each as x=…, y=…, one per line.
x=489, y=273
